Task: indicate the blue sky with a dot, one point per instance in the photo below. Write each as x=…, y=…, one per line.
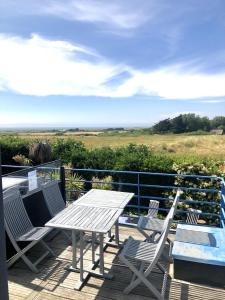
x=110, y=63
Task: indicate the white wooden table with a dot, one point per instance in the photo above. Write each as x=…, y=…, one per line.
x=106, y=198
x=84, y=218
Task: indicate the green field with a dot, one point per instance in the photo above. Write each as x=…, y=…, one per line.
x=211, y=146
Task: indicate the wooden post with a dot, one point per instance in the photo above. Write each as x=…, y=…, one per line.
x=3, y=268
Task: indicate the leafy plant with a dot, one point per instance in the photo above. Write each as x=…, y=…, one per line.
x=102, y=186
x=22, y=160
x=197, y=182
x=74, y=183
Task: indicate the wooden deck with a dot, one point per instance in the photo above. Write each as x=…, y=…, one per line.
x=54, y=282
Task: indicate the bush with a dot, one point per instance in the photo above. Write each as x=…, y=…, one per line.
x=11, y=146
x=64, y=149
x=206, y=169
x=102, y=186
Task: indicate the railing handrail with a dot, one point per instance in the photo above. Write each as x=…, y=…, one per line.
x=130, y=172
x=148, y=173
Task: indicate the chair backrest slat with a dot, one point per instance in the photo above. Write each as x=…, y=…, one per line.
x=153, y=208
x=193, y=216
x=15, y=214
x=173, y=209
x=53, y=197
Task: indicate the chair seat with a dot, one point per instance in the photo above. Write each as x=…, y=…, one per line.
x=153, y=224
x=138, y=250
x=35, y=234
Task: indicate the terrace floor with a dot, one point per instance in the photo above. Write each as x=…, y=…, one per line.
x=54, y=282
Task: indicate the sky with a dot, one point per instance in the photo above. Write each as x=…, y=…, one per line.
x=90, y=63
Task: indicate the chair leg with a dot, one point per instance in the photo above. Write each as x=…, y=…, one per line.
x=26, y=260
x=47, y=248
x=140, y=278
x=67, y=236
x=30, y=265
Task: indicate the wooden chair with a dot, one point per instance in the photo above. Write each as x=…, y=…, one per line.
x=54, y=201
x=141, y=257
x=152, y=227
x=155, y=225
x=20, y=229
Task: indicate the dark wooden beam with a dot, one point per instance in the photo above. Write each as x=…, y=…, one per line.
x=3, y=268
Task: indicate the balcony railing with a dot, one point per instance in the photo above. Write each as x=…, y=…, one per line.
x=206, y=193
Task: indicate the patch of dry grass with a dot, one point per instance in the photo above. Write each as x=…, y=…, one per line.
x=175, y=145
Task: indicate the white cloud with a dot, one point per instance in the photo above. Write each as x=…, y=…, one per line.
x=112, y=13
x=42, y=67
x=213, y=101
x=115, y=14
x=38, y=66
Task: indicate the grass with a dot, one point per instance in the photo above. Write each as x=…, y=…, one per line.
x=210, y=146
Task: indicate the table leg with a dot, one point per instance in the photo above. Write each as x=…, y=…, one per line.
x=93, y=246
x=74, y=248
x=85, y=273
x=81, y=255
x=101, y=253
x=117, y=238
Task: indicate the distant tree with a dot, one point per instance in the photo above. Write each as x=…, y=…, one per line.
x=163, y=126
x=218, y=123
x=178, y=124
x=183, y=123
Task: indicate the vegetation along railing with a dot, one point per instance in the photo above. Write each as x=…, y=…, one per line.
x=205, y=193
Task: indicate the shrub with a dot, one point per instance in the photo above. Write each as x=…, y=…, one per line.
x=65, y=149
x=102, y=186
x=75, y=184
x=204, y=183
x=11, y=146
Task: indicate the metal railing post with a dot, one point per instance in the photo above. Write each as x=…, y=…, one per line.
x=139, y=202
x=3, y=268
x=63, y=182
x=222, y=204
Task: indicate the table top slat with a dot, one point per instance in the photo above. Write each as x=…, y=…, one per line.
x=104, y=198
x=86, y=218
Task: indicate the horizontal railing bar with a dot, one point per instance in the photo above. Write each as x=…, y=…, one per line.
x=17, y=167
x=179, y=211
x=168, y=187
x=181, y=188
x=180, y=200
x=161, y=198
x=145, y=173
x=129, y=172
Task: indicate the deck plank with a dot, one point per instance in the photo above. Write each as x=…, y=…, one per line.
x=55, y=282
